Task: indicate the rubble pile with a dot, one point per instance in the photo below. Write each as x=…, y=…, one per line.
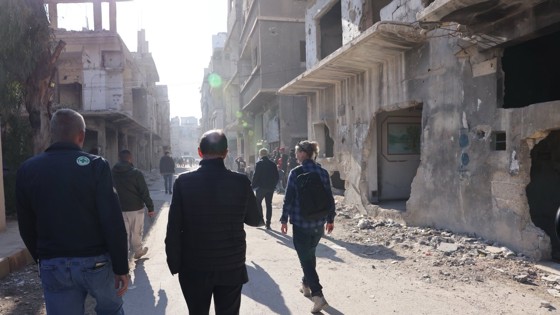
x=441, y=255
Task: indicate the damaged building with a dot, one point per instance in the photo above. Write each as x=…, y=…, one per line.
x=264, y=49
x=445, y=110
x=113, y=88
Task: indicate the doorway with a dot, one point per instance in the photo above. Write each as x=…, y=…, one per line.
x=543, y=192
x=398, y=152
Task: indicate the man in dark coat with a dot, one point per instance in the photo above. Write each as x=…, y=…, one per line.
x=264, y=183
x=205, y=241
x=133, y=195
x=70, y=220
x=167, y=169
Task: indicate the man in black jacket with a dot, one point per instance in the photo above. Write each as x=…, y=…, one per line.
x=133, y=195
x=70, y=220
x=264, y=183
x=167, y=169
x=205, y=240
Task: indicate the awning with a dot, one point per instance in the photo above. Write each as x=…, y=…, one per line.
x=379, y=44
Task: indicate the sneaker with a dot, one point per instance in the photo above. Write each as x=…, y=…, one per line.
x=305, y=290
x=319, y=303
x=268, y=226
x=141, y=253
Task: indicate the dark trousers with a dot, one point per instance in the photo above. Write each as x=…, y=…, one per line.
x=305, y=243
x=198, y=290
x=265, y=194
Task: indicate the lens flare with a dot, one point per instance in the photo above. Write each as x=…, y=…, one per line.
x=215, y=80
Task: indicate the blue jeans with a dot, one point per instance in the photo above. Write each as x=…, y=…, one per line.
x=168, y=182
x=67, y=281
x=305, y=243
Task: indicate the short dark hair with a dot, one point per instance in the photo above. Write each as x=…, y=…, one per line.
x=125, y=155
x=213, y=142
x=66, y=124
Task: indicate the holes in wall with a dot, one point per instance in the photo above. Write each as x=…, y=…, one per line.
x=330, y=27
x=532, y=72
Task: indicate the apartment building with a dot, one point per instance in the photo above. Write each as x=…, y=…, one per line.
x=113, y=88
x=445, y=111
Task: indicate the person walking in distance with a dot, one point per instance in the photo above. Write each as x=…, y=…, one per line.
x=167, y=170
x=133, y=195
x=70, y=220
x=307, y=232
x=264, y=183
x=205, y=241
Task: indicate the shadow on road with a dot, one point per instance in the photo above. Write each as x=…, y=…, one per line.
x=143, y=293
x=267, y=287
x=322, y=249
x=378, y=252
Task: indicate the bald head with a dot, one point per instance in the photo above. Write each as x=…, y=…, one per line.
x=213, y=143
x=68, y=125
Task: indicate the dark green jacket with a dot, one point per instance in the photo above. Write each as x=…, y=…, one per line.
x=131, y=187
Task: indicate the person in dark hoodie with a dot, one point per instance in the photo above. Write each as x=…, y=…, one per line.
x=133, y=195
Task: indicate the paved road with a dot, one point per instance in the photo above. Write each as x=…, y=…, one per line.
x=355, y=282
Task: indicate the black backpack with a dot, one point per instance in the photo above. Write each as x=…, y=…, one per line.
x=313, y=197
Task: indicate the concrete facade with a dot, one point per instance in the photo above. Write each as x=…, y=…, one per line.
x=116, y=92
x=438, y=103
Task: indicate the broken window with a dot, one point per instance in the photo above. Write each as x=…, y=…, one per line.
x=112, y=60
x=371, y=13
x=499, y=141
x=70, y=95
x=302, y=56
x=532, y=72
x=330, y=27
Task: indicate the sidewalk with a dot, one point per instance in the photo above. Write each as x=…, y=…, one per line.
x=13, y=253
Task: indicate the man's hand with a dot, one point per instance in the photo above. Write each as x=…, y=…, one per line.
x=151, y=214
x=121, y=284
x=284, y=228
x=329, y=227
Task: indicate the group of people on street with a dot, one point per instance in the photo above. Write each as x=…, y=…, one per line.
x=82, y=221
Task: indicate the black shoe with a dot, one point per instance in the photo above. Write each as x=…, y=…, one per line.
x=268, y=226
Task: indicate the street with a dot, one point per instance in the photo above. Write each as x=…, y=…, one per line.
x=366, y=266
x=381, y=281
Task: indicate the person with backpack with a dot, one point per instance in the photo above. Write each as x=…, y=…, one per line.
x=308, y=205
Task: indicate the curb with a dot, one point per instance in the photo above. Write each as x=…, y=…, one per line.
x=14, y=262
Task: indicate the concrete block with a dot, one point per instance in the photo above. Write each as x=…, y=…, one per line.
x=4, y=267
x=19, y=260
x=485, y=67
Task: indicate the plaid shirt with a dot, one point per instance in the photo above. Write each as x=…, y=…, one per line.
x=291, y=208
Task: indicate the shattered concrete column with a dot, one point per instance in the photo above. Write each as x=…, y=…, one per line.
x=113, y=16
x=97, y=16
x=53, y=14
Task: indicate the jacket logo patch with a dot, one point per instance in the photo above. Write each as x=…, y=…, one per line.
x=82, y=160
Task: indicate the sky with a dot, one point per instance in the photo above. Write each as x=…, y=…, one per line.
x=179, y=33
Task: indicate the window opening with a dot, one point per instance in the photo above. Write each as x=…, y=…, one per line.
x=532, y=71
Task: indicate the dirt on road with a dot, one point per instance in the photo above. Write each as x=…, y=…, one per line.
x=438, y=257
